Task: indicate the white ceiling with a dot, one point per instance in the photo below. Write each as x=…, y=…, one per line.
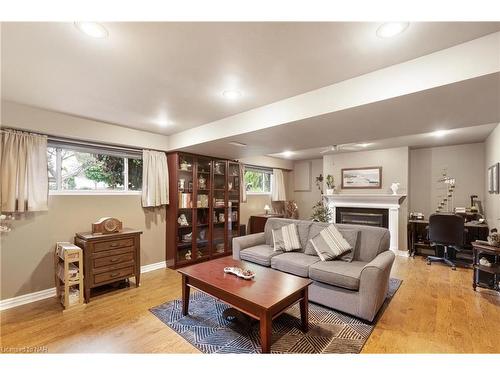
x=147, y=73
x=463, y=104
x=472, y=134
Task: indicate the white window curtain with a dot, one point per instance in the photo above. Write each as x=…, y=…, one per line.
x=243, y=187
x=154, y=178
x=24, y=175
x=278, y=186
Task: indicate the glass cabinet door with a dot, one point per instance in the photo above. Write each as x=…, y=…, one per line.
x=203, y=184
x=185, y=169
x=219, y=211
x=233, y=216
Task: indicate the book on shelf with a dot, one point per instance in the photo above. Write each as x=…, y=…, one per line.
x=185, y=200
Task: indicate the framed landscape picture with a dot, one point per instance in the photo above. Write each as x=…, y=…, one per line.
x=493, y=179
x=362, y=178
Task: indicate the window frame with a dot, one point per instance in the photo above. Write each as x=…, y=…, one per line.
x=260, y=170
x=93, y=150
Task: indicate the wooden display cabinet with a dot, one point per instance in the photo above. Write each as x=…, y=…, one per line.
x=204, y=211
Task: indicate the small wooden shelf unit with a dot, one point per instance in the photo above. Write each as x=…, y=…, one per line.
x=206, y=191
x=486, y=277
x=68, y=268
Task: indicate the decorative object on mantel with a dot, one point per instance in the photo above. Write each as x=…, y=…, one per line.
x=362, y=178
x=446, y=204
x=330, y=184
x=395, y=187
x=107, y=225
x=493, y=179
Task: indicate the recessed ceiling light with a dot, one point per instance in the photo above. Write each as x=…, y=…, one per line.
x=364, y=144
x=93, y=29
x=440, y=133
x=390, y=29
x=287, y=154
x=231, y=94
x=239, y=144
x=164, y=123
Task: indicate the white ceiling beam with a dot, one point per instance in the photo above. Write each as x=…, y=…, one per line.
x=464, y=61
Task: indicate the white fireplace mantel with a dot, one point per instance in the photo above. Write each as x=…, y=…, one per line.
x=390, y=202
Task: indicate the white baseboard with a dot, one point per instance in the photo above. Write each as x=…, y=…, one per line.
x=27, y=298
x=401, y=253
x=153, y=266
x=49, y=293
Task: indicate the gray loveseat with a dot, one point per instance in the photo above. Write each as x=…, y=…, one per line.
x=357, y=288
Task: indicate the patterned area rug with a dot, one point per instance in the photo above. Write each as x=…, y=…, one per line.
x=205, y=327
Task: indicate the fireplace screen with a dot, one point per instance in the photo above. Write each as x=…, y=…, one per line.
x=362, y=216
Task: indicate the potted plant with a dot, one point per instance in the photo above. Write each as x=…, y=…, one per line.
x=330, y=185
x=321, y=212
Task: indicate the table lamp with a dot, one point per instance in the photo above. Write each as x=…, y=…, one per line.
x=267, y=208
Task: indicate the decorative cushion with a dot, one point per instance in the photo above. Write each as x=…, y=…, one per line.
x=286, y=238
x=276, y=223
x=329, y=243
x=351, y=236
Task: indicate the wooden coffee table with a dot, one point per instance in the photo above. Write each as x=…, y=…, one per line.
x=264, y=297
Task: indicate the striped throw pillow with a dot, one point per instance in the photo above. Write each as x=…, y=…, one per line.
x=330, y=244
x=286, y=238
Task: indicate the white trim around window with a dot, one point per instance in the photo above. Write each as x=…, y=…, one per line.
x=258, y=193
x=94, y=192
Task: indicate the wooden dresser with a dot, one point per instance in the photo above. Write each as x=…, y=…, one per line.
x=258, y=222
x=109, y=257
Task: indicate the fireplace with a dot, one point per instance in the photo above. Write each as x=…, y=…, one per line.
x=376, y=217
x=387, y=205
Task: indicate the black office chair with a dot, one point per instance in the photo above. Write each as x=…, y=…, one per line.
x=445, y=230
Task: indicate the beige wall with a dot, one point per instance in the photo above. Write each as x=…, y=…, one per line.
x=395, y=165
x=306, y=199
x=30, y=118
x=26, y=254
x=463, y=162
x=492, y=201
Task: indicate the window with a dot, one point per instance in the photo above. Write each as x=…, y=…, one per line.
x=86, y=169
x=258, y=181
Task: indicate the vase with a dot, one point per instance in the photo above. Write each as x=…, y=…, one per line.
x=330, y=191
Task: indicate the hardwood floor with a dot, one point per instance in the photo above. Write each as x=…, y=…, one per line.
x=434, y=311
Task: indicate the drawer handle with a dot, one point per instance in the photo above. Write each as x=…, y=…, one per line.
x=114, y=274
x=114, y=244
x=114, y=260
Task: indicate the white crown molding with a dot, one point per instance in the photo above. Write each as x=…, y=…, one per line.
x=49, y=293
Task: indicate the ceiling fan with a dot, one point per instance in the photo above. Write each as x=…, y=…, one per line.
x=342, y=147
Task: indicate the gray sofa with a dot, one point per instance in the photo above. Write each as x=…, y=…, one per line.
x=357, y=288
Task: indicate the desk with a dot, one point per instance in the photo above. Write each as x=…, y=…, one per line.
x=258, y=222
x=417, y=235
